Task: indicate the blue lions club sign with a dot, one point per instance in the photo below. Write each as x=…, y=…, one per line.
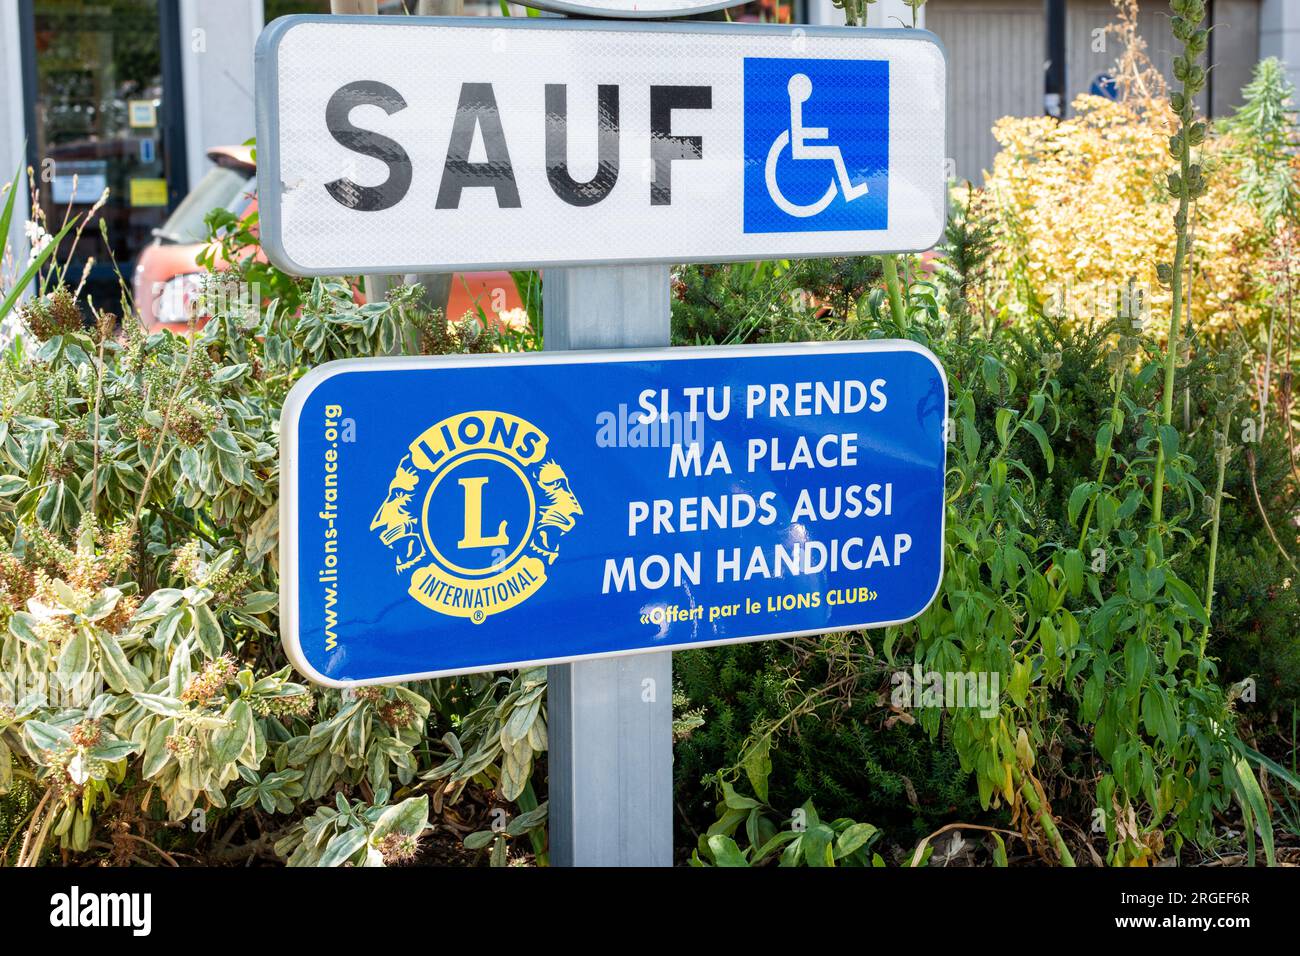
x=449, y=515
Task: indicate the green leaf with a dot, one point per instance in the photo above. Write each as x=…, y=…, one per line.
x=528, y=821
x=1048, y=639
x=757, y=764
x=1271, y=765
x=736, y=801
x=1136, y=660
x=1168, y=440
x=207, y=630
x=991, y=368
x=231, y=467
x=1072, y=565
x=342, y=847
x=115, y=750
x=1078, y=498
x=67, y=597
x=1103, y=439
x=817, y=848
x=775, y=843
x=156, y=755
x=167, y=627
x=970, y=439
x=229, y=373
x=725, y=852
x=23, y=626
x=1092, y=691
x=159, y=704
x=259, y=602
x=118, y=671
x=1040, y=436
x=1170, y=729
x=225, y=441
x=156, y=604
x=409, y=818
x=103, y=604
x=43, y=736
x=1254, y=809
x=1151, y=721
x=999, y=851
x=1186, y=597
x=1018, y=686
x=1002, y=424
x=229, y=742
x=728, y=821
x=516, y=768
x=855, y=837
x=7, y=215
x=521, y=720
x=74, y=659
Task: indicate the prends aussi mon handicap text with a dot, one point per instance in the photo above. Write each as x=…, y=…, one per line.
x=778, y=451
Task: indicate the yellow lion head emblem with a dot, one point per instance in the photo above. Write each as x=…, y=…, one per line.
x=556, y=514
x=397, y=528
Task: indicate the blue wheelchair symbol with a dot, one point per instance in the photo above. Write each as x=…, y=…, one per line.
x=816, y=145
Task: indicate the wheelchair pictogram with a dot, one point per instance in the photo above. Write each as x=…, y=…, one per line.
x=816, y=145
x=800, y=139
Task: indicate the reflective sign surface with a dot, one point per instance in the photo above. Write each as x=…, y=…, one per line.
x=449, y=515
x=407, y=144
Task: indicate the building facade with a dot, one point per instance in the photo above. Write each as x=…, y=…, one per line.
x=124, y=96
x=999, y=58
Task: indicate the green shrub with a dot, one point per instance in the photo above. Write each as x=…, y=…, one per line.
x=844, y=751
x=144, y=690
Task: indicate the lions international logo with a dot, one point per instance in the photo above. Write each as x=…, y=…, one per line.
x=475, y=513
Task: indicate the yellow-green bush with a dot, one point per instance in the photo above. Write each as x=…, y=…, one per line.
x=1081, y=208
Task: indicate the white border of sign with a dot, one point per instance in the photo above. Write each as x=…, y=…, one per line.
x=298, y=395
x=269, y=172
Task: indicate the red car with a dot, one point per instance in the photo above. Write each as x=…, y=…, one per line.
x=167, y=276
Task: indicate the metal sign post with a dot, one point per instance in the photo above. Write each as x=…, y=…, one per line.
x=610, y=721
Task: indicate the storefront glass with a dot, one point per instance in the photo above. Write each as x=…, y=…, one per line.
x=99, y=125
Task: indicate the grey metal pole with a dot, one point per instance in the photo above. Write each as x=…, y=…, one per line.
x=610, y=720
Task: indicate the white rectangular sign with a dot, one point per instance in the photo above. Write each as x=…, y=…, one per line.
x=400, y=144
